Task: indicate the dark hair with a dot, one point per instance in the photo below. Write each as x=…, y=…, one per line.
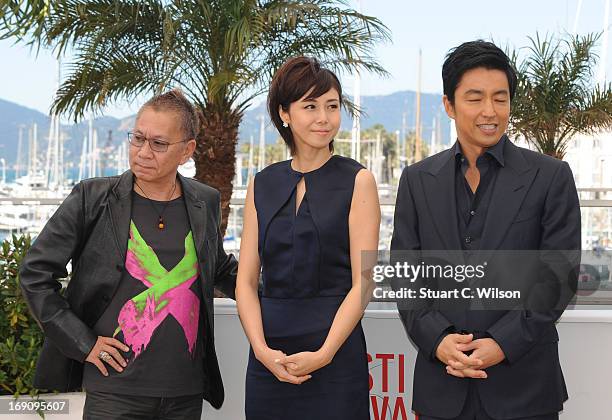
x=471, y=55
x=175, y=101
x=291, y=82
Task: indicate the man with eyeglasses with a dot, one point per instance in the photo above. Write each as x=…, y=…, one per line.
x=134, y=327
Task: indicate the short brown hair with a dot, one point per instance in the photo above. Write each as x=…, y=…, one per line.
x=291, y=82
x=175, y=101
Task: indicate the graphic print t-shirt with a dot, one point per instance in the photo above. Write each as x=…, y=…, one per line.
x=156, y=309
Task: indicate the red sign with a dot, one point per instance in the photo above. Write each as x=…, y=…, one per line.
x=388, y=399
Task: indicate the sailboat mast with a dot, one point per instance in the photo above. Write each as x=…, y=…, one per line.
x=82, y=162
x=577, y=17
x=250, y=163
x=356, y=130
x=417, y=143
x=19, y=153
x=34, y=149
x=90, y=163
x=50, y=146
x=262, y=144
x=601, y=79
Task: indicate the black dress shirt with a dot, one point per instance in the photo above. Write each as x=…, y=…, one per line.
x=472, y=207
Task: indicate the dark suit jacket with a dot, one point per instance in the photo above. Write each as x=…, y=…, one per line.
x=534, y=206
x=91, y=229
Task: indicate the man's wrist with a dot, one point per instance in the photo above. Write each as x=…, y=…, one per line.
x=442, y=336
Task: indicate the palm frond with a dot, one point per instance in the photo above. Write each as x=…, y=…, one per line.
x=555, y=96
x=216, y=50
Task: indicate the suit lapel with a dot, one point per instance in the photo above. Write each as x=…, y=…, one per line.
x=513, y=182
x=197, y=213
x=120, y=210
x=439, y=186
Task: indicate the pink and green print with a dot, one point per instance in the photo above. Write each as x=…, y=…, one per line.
x=167, y=294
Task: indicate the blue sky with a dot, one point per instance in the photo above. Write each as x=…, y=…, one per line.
x=434, y=26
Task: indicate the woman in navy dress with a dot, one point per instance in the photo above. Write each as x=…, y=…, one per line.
x=306, y=223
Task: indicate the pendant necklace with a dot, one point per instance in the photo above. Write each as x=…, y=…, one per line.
x=160, y=221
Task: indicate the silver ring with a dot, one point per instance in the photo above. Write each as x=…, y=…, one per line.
x=104, y=356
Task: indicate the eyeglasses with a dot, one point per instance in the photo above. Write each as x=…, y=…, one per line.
x=157, y=145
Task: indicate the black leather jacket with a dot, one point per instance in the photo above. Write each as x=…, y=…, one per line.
x=91, y=229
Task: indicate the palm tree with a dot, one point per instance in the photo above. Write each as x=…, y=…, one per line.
x=221, y=53
x=556, y=97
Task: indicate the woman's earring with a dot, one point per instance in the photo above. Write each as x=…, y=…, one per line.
x=285, y=124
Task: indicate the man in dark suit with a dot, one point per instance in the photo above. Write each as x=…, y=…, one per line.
x=135, y=326
x=485, y=193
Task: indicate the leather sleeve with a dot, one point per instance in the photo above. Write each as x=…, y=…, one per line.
x=41, y=268
x=227, y=266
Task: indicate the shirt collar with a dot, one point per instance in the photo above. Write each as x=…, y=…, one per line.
x=496, y=151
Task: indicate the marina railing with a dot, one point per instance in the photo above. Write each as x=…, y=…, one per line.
x=27, y=215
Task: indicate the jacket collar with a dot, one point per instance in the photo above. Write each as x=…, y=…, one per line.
x=120, y=207
x=125, y=185
x=510, y=187
x=496, y=151
x=509, y=154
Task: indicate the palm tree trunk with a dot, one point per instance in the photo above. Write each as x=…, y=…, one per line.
x=215, y=154
x=552, y=152
x=548, y=145
x=558, y=154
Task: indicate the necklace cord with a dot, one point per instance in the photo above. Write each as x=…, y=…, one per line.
x=160, y=220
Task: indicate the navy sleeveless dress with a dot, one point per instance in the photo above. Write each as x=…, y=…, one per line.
x=306, y=272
